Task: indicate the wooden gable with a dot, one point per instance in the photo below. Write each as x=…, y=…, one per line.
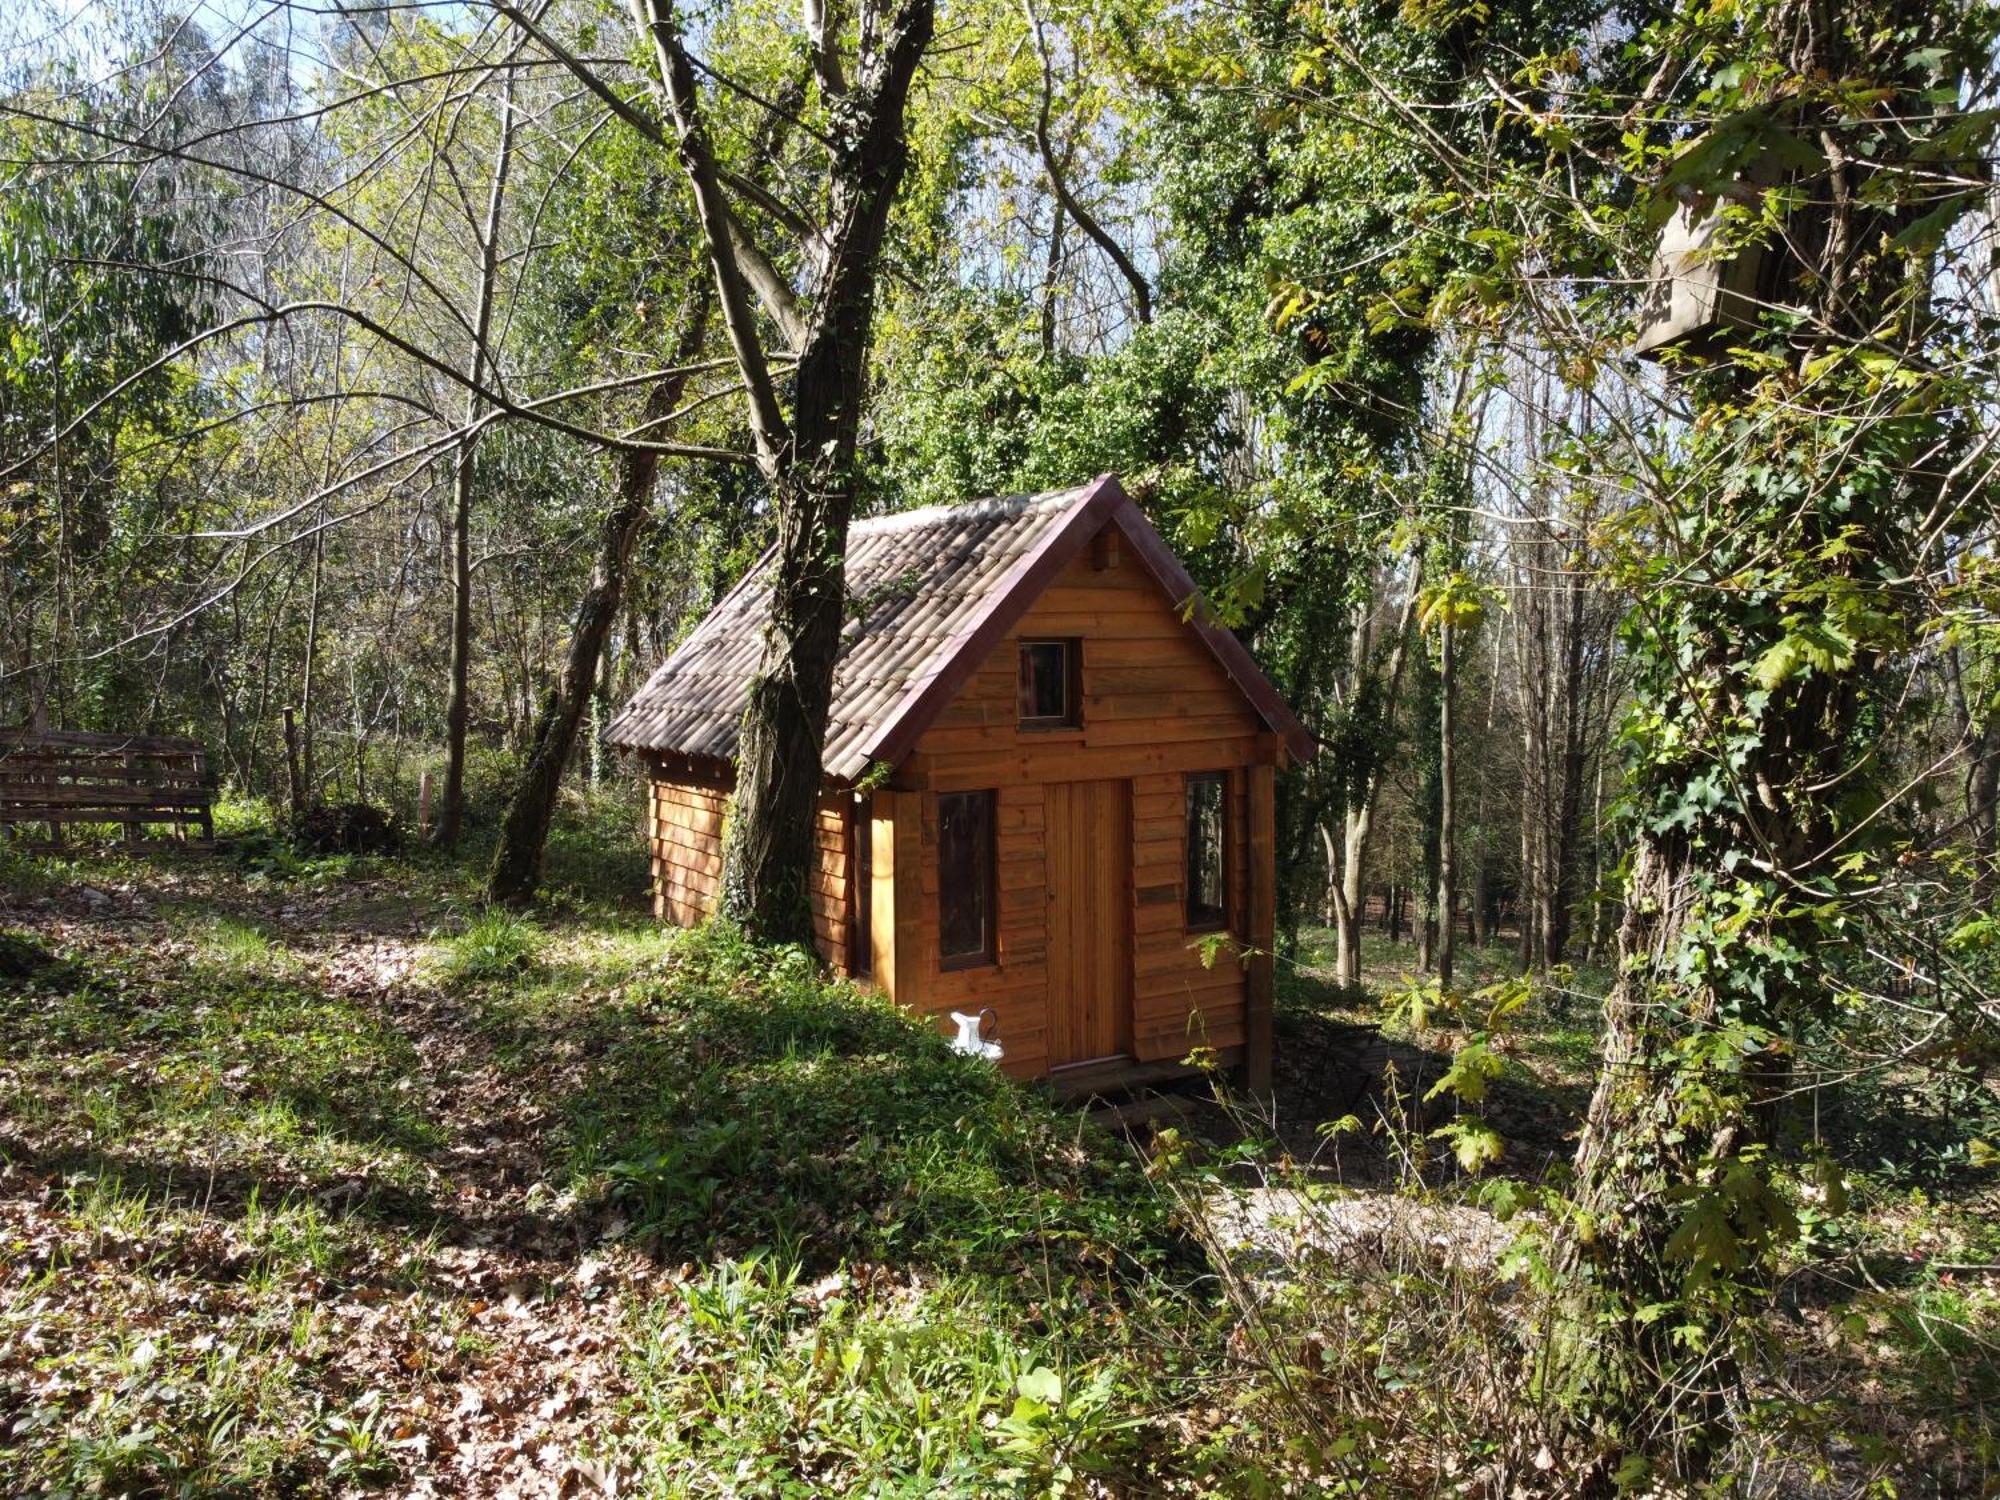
x=1156, y=704
x=1154, y=697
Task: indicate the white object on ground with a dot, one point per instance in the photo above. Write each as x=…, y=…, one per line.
x=969, y=1040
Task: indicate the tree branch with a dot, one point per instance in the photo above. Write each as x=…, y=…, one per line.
x=767, y=420
x=769, y=201
x=822, y=20
x=1142, y=294
x=588, y=77
x=774, y=293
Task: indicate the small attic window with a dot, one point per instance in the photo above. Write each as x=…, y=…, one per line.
x=1051, y=694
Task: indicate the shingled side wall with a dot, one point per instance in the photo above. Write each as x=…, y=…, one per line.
x=685, y=813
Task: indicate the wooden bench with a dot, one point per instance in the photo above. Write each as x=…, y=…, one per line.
x=56, y=777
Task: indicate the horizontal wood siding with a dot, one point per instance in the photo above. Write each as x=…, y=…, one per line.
x=829, y=878
x=1155, y=705
x=1016, y=984
x=1179, y=1003
x=687, y=849
x=685, y=816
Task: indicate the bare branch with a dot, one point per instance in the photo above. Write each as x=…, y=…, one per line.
x=767, y=420
x=1142, y=295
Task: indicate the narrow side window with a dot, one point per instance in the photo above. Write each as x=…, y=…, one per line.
x=965, y=879
x=1207, y=850
x=861, y=887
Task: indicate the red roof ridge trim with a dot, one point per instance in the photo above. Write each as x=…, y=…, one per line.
x=1102, y=501
x=1004, y=605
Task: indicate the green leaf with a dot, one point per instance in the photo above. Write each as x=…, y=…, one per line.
x=1472, y=1068
x=1042, y=1385
x=1474, y=1143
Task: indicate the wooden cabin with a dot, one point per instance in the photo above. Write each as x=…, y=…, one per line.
x=1048, y=785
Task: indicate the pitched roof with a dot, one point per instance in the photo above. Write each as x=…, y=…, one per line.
x=929, y=593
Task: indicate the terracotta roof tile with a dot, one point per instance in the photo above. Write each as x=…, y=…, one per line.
x=913, y=581
x=929, y=592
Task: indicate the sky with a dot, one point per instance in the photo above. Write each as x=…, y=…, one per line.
x=86, y=31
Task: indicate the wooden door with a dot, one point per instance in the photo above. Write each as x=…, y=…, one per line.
x=1088, y=829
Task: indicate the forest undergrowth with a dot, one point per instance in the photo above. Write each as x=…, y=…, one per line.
x=318, y=1177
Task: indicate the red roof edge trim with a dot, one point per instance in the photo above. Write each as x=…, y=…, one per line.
x=961, y=655
x=1236, y=660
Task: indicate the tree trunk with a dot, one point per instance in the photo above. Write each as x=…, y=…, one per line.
x=458, y=699
x=1427, y=808
x=295, y=776
x=770, y=857
x=1333, y=910
x=1631, y=1159
x=458, y=709
x=1979, y=730
x=524, y=832
x=1359, y=817
x=1595, y=943
x=808, y=461
x=1347, y=892
x=1557, y=914
x=307, y=675
x=1982, y=798
x=1052, y=280
x=1524, y=885
x=1447, y=796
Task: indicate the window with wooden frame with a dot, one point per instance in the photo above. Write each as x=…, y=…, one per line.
x=861, y=886
x=966, y=882
x=1051, y=684
x=1207, y=877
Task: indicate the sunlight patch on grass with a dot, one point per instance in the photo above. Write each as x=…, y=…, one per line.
x=232, y=945
x=215, y=1067
x=494, y=945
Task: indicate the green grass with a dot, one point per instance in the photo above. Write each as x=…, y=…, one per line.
x=494, y=945
x=737, y=1102
x=266, y=1211
x=836, y=1384
x=321, y=1178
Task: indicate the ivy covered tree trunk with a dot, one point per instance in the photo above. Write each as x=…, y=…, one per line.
x=770, y=855
x=1768, y=637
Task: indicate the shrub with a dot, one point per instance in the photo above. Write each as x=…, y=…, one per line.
x=494, y=945
x=347, y=828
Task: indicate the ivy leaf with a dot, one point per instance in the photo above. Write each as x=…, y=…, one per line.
x=1041, y=1385
x=1704, y=1240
